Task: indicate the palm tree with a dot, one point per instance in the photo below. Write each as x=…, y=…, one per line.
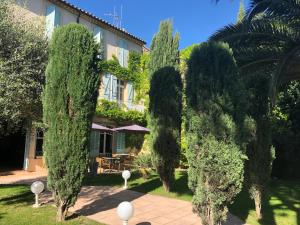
x=269, y=36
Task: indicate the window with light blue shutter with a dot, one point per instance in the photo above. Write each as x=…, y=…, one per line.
x=120, y=142
x=94, y=143
x=114, y=87
x=50, y=18
x=97, y=34
x=107, y=86
x=121, y=52
x=57, y=21
x=130, y=92
x=53, y=19
x=125, y=53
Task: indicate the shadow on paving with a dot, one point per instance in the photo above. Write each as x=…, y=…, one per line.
x=106, y=203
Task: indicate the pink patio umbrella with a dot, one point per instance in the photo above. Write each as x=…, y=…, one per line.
x=132, y=128
x=100, y=127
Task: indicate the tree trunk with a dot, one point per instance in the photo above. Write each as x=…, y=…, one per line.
x=62, y=211
x=257, y=201
x=166, y=186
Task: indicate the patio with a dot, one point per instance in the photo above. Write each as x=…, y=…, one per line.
x=99, y=203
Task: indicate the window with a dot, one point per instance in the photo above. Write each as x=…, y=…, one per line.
x=101, y=143
x=120, y=90
x=39, y=142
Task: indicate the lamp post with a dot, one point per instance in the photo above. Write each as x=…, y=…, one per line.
x=126, y=175
x=125, y=211
x=37, y=187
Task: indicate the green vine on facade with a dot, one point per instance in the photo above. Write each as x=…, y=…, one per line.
x=132, y=73
x=112, y=110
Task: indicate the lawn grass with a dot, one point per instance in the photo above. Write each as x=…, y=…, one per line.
x=281, y=208
x=16, y=209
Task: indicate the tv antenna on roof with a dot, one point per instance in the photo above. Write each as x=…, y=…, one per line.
x=117, y=19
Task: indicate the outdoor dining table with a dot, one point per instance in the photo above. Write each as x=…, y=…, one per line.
x=112, y=161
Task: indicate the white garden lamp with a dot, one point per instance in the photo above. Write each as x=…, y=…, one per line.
x=37, y=187
x=125, y=211
x=126, y=176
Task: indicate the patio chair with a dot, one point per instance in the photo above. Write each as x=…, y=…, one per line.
x=127, y=162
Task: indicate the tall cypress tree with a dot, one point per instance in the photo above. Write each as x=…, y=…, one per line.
x=164, y=48
x=165, y=104
x=165, y=120
x=259, y=151
x=69, y=101
x=214, y=127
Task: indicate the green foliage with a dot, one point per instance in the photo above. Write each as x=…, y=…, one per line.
x=165, y=122
x=214, y=126
x=69, y=102
x=142, y=87
x=242, y=12
x=23, y=57
x=184, y=56
x=134, y=141
x=164, y=48
x=112, y=110
x=165, y=102
x=143, y=160
x=137, y=72
x=259, y=151
x=267, y=37
x=285, y=129
x=113, y=66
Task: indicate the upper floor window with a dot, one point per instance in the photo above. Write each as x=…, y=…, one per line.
x=123, y=53
x=114, y=88
x=120, y=90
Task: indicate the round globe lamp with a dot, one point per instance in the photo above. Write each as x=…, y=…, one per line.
x=37, y=188
x=125, y=211
x=126, y=175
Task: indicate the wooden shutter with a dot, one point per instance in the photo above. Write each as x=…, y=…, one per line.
x=130, y=92
x=114, y=87
x=94, y=143
x=107, y=86
x=120, y=142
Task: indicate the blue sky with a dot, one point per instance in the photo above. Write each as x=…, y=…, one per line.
x=195, y=20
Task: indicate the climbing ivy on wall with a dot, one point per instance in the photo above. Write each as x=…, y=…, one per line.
x=112, y=110
x=132, y=73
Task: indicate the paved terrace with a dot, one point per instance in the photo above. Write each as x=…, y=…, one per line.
x=99, y=203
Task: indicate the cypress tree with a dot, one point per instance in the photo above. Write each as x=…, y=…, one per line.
x=69, y=101
x=165, y=120
x=260, y=152
x=214, y=127
x=164, y=48
x=165, y=102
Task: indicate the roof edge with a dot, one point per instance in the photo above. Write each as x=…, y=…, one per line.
x=99, y=20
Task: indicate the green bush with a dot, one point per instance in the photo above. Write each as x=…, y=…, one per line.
x=214, y=128
x=143, y=160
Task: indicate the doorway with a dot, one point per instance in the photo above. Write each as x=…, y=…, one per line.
x=12, y=151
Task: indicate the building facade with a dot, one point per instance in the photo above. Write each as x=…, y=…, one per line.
x=50, y=14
